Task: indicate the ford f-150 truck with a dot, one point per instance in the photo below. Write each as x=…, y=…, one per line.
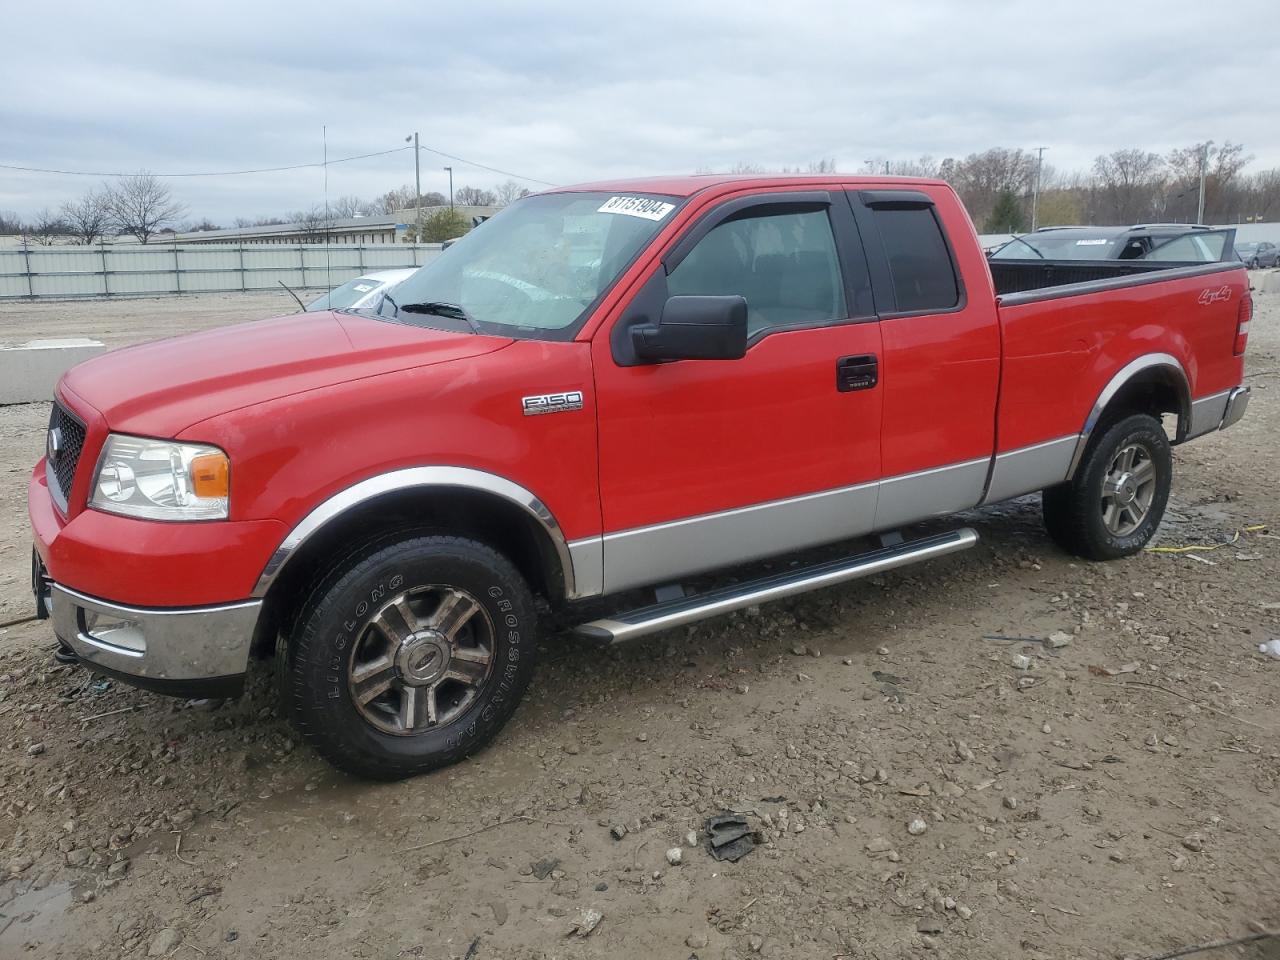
x=603, y=391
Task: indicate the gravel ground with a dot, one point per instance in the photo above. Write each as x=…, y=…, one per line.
x=120, y=322
x=1116, y=796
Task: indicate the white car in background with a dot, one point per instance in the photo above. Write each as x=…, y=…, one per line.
x=364, y=292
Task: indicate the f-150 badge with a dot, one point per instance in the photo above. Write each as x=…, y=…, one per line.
x=552, y=403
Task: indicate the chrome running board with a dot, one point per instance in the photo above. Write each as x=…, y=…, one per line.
x=675, y=613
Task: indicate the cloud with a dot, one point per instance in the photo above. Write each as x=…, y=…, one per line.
x=564, y=92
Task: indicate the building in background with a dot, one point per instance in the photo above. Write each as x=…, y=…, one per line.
x=381, y=228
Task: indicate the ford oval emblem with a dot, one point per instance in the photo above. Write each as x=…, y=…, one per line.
x=53, y=447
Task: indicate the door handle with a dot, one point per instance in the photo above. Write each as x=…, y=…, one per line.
x=857, y=373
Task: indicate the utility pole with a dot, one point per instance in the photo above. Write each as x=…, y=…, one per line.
x=417, y=187
x=450, y=169
x=1035, y=191
x=1204, y=162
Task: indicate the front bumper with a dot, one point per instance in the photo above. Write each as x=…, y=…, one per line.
x=191, y=651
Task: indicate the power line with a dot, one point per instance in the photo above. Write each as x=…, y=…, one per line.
x=219, y=173
x=294, y=166
x=472, y=163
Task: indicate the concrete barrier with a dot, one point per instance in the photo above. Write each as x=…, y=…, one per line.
x=28, y=371
x=1270, y=282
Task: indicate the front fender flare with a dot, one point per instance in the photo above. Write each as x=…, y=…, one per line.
x=414, y=478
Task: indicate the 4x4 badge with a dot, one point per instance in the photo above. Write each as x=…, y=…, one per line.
x=552, y=403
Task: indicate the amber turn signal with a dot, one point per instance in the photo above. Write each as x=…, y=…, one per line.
x=210, y=475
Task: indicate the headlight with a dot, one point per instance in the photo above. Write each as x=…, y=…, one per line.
x=161, y=479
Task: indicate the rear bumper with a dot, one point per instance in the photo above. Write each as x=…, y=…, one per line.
x=191, y=651
x=1237, y=404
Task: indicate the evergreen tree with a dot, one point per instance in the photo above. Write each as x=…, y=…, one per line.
x=1008, y=216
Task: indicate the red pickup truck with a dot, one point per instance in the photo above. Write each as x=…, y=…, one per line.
x=600, y=392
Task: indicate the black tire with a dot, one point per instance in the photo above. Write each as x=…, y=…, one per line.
x=1074, y=512
x=337, y=628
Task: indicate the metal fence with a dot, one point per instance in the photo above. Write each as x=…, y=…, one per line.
x=34, y=272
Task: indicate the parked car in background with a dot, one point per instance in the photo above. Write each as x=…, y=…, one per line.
x=1260, y=254
x=363, y=293
x=1094, y=243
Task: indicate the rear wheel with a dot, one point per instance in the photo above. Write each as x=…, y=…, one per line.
x=1115, y=502
x=411, y=656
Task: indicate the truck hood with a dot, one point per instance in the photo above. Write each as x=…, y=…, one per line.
x=161, y=388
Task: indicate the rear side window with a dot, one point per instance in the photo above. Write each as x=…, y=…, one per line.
x=923, y=276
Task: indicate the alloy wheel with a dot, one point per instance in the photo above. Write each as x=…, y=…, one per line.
x=421, y=660
x=1128, y=489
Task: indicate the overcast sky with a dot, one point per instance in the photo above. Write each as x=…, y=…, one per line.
x=570, y=92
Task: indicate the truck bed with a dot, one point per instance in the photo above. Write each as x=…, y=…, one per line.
x=1024, y=276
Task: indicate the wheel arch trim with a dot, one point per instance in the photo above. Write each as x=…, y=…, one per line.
x=419, y=478
x=1134, y=368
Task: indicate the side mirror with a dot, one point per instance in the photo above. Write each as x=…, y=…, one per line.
x=694, y=328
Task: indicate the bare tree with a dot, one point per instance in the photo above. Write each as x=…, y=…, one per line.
x=981, y=177
x=510, y=192
x=1222, y=164
x=1131, y=182
x=474, y=197
x=142, y=206
x=313, y=224
x=88, y=218
x=259, y=221
x=45, y=228
x=10, y=222
x=352, y=206
x=925, y=166
x=402, y=198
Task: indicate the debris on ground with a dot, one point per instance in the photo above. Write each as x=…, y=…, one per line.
x=542, y=869
x=1271, y=648
x=1131, y=667
x=730, y=837
x=585, y=923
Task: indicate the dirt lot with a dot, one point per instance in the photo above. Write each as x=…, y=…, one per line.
x=120, y=322
x=1068, y=812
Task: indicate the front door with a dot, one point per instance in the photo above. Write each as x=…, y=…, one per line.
x=706, y=463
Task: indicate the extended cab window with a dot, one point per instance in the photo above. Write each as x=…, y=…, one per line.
x=923, y=276
x=784, y=264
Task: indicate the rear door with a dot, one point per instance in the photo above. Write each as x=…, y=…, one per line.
x=940, y=364
x=707, y=463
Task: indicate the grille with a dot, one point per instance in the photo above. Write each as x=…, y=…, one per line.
x=62, y=472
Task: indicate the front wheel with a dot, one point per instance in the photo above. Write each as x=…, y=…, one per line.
x=411, y=656
x=1114, y=503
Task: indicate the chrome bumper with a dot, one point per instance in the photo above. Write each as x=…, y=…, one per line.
x=1237, y=404
x=156, y=647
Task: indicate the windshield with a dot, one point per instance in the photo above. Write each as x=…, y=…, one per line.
x=1246, y=248
x=537, y=267
x=1062, y=246
x=347, y=295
